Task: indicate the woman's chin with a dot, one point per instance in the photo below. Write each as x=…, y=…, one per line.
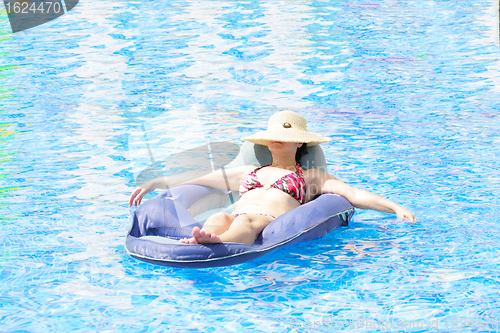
x=275, y=145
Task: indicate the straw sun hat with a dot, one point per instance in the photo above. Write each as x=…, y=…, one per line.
x=286, y=126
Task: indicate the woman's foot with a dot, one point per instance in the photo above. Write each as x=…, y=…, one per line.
x=201, y=237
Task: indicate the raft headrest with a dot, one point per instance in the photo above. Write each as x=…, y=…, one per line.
x=258, y=155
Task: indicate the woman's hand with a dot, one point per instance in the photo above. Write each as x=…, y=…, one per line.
x=139, y=193
x=405, y=214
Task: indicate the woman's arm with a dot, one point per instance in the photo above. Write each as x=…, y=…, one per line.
x=222, y=179
x=360, y=198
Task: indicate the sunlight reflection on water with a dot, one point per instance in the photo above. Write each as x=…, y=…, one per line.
x=408, y=91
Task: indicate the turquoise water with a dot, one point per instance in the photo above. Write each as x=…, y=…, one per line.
x=408, y=91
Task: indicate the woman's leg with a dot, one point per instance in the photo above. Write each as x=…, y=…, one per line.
x=215, y=225
x=243, y=229
x=218, y=223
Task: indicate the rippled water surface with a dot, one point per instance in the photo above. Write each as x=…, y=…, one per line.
x=408, y=91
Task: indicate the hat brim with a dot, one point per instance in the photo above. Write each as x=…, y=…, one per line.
x=286, y=135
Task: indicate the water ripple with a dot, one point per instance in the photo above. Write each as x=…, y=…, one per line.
x=412, y=110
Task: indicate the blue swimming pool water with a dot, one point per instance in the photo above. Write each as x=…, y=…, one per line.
x=408, y=91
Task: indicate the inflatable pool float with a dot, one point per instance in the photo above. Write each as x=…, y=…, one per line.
x=160, y=222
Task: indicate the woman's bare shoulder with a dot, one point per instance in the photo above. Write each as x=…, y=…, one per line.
x=317, y=174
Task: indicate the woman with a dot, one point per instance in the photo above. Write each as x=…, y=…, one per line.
x=272, y=190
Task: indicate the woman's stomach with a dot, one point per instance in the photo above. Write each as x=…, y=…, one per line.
x=265, y=201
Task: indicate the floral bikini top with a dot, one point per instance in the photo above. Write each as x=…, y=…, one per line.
x=292, y=183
